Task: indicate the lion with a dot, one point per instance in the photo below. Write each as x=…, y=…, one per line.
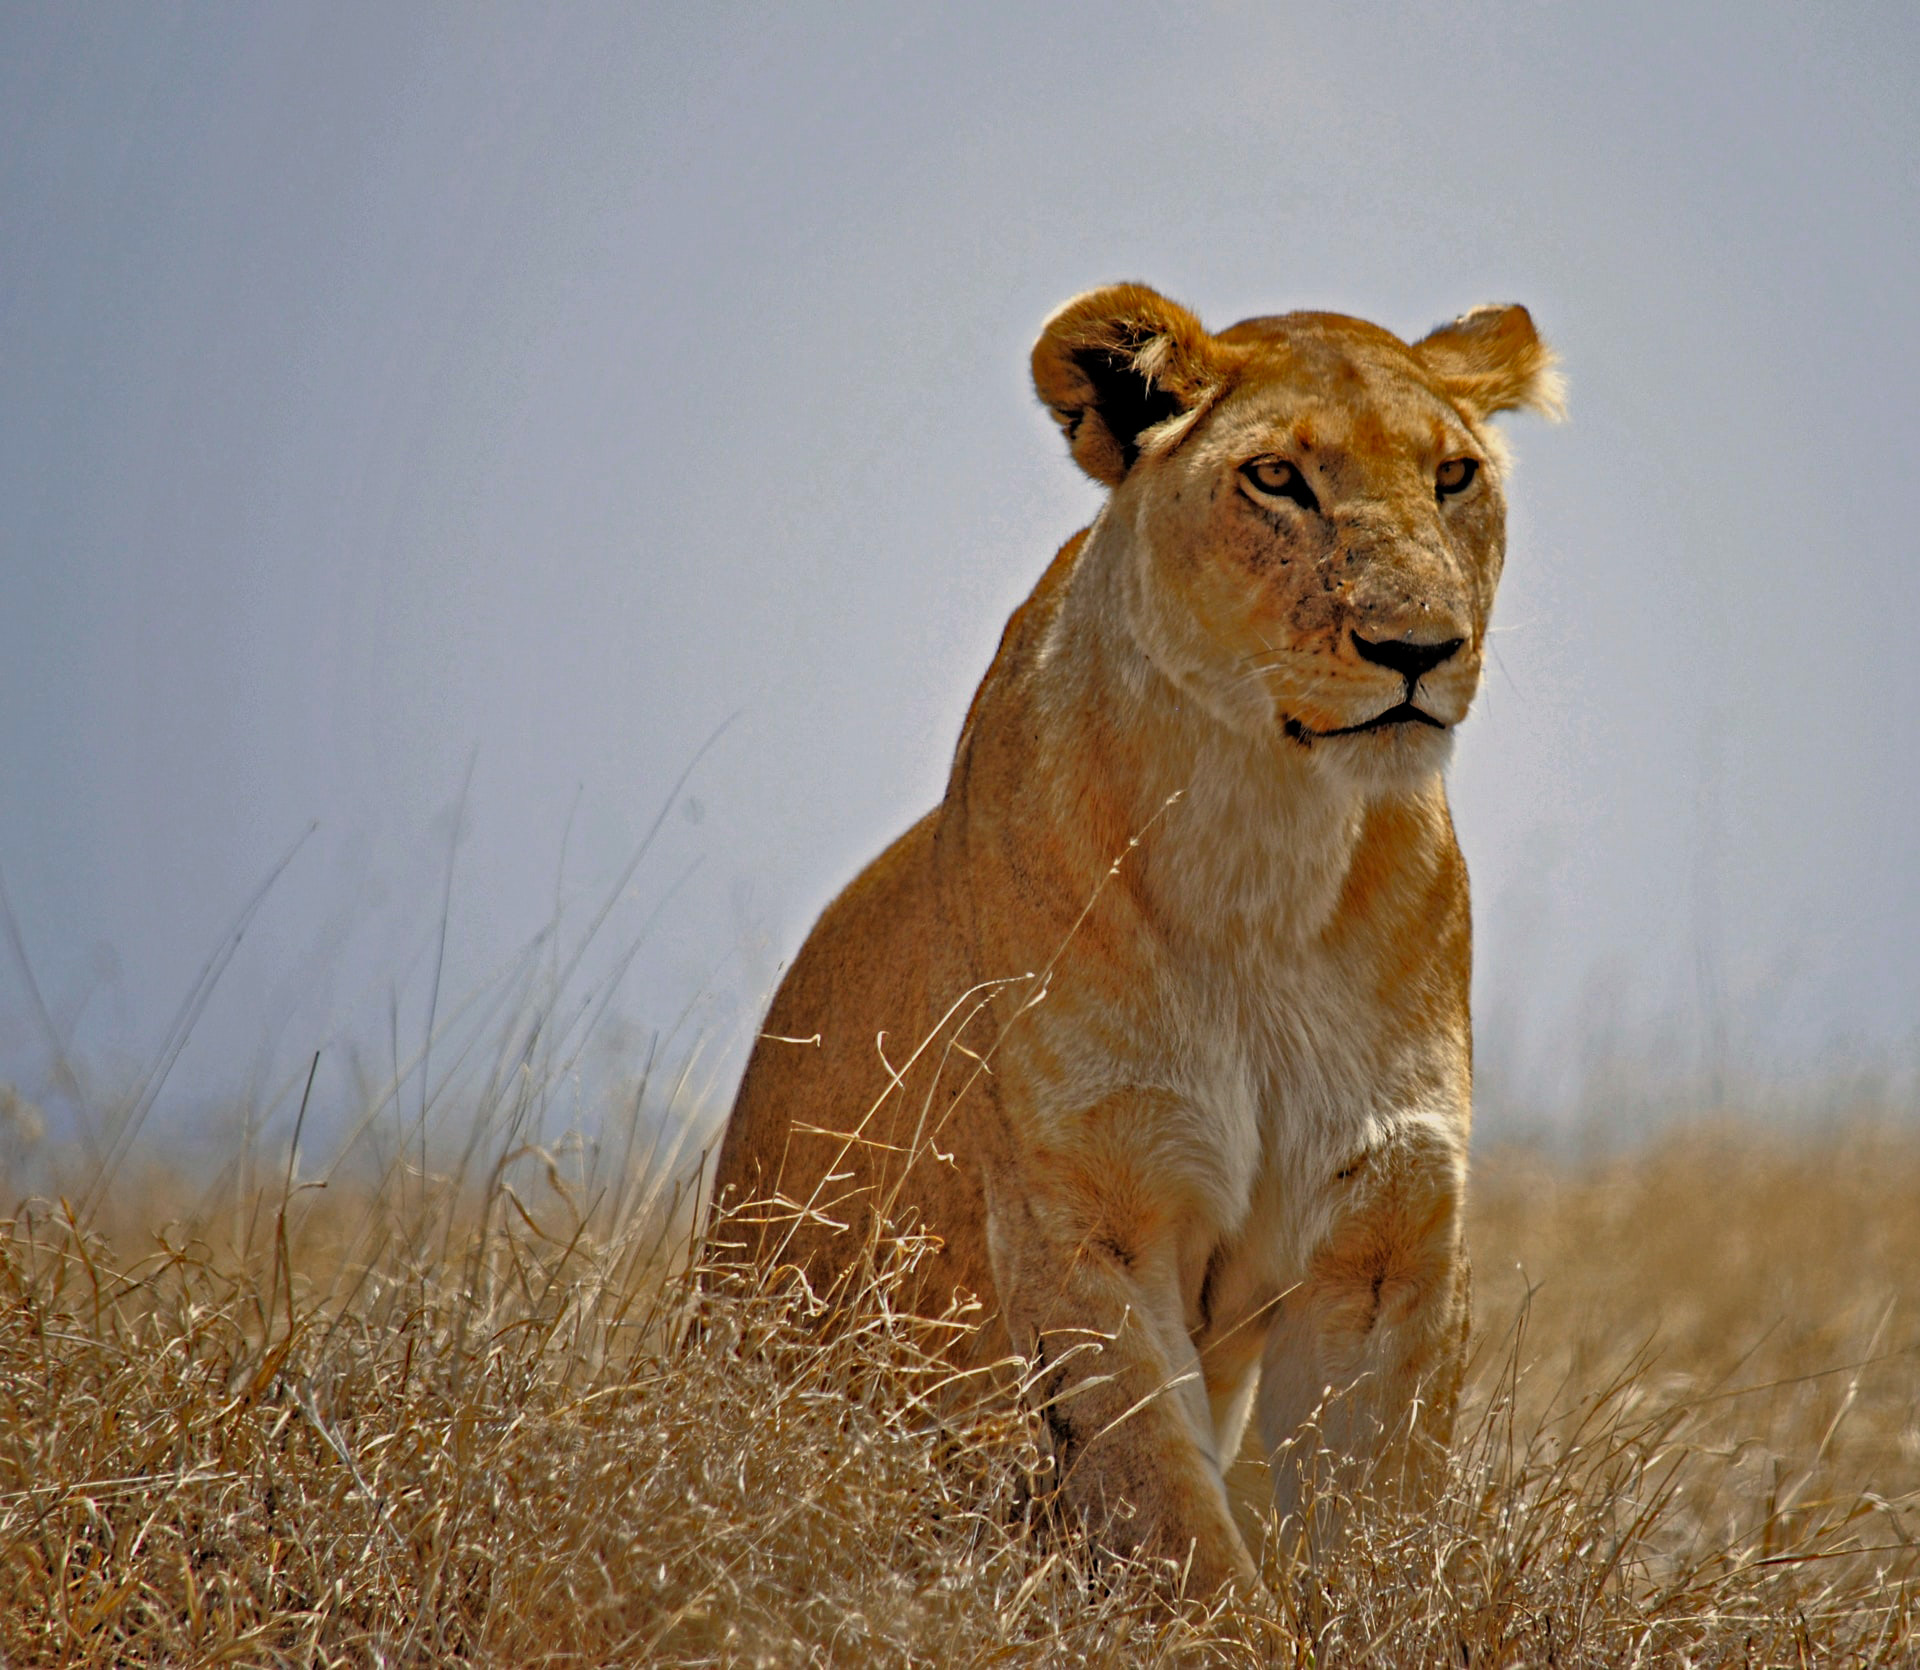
x=1157, y=1025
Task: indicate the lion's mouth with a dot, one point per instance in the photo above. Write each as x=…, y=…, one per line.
x=1405, y=714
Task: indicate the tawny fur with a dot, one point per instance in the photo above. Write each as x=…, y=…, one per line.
x=1158, y=1022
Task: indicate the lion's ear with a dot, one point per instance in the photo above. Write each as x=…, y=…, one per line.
x=1492, y=360
x=1113, y=363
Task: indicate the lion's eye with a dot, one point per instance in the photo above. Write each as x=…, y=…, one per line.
x=1454, y=476
x=1275, y=478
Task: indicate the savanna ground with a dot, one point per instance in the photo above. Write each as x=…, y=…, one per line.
x=402, y=1414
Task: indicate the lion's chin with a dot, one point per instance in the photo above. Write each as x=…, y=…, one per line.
x=1381, y=756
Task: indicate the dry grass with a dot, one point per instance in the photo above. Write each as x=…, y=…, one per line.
x=401, y=1422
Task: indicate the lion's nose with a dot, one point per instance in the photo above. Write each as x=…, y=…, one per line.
x=1410, y=661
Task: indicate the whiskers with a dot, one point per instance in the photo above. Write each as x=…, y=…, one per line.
x=1270, y=659
x=1295, y=678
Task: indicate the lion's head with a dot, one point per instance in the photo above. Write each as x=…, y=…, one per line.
x=1307, y=516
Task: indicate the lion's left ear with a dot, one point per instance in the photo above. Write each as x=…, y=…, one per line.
x=1493, y=360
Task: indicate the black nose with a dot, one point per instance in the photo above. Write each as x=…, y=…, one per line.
x=1408, y=660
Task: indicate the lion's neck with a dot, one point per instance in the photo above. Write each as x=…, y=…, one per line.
x=1244, y=832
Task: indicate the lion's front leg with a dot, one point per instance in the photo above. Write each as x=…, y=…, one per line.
x=1361, y=1370
x=1089, y=1286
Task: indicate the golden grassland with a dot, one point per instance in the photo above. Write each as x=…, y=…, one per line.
x=404, y=1422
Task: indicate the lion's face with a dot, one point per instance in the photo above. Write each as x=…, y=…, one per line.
x=1311, y=510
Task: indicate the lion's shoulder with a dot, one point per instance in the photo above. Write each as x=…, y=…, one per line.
x=1020, y=638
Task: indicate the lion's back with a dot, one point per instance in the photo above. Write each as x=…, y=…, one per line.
x=820, y=1119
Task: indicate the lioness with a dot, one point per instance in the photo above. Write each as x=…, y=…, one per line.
x=1158, y=1021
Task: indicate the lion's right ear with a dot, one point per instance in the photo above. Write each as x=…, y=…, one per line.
x=1113, y=363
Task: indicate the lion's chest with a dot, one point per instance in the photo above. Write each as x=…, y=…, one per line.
x=1279, y=1055
x=1252, y=1075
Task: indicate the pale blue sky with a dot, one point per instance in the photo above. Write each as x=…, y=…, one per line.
x=387, y=387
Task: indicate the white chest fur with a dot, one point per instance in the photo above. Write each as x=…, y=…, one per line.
x=1267, y=1065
